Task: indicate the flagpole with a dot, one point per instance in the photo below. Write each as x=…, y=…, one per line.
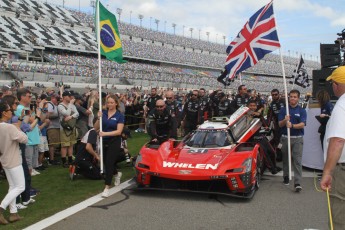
x=99, y=85
x=287, y=112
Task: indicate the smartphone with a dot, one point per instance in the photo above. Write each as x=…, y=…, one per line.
x=26, y=112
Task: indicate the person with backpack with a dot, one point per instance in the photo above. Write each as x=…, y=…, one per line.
x=53, y=129
x=68, y=115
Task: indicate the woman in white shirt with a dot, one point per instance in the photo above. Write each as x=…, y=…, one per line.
x=11, y=160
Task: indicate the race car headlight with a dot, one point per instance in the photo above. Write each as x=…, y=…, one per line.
x=247, y=164
x=138, y=160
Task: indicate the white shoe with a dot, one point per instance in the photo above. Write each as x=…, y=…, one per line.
x=20, y=206
x=29, y=202
x=105, y=193
x=118, y=179
x=34, y=172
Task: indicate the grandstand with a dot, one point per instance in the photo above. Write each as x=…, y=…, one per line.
x=41, y=42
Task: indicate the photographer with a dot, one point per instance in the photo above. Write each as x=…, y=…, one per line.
x=68, y=133
x=53, y=129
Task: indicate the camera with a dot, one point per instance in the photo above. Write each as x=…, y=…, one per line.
x=26, y=112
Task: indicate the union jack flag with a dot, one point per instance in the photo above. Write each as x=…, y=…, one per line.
x=257, y=38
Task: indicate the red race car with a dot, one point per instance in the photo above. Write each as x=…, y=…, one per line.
x=223, y=156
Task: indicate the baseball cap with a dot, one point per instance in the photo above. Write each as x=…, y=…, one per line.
x=67, y=93
x=338, y=75
x=78, y=97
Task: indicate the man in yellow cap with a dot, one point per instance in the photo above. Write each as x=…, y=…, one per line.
x=333, y=177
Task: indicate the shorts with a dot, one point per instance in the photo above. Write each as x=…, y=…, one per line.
x=68, y=138
x=43, y=146
x=54, y=137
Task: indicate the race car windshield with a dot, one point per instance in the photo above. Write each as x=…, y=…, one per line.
x=209, y=139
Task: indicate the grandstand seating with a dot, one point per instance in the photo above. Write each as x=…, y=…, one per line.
x=28, y=24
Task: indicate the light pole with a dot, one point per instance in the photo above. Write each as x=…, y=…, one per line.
x=141, y=18
x=191, y=32
x=150, y=23
x=174, y=26
x=119, y=11
x=93, y=5
x=224, y=38
x=289, y=52
x=165, y=26
x=199, y=34
x=216, y=37
x=183, y=31
x=130, y=17
x=208, y=36
x=157, y=22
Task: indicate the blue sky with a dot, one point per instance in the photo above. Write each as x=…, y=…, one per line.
x=302, y=24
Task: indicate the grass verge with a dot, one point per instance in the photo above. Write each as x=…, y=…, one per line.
x=58, y=192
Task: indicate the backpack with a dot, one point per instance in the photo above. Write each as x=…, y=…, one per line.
x=70, y=124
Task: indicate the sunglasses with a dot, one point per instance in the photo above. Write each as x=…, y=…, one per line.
x=274, y=94
x=195, y=95
x=168, y=97
x=159, y=106
x=331, y=83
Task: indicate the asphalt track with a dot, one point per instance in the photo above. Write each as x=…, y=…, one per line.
x=274, y=206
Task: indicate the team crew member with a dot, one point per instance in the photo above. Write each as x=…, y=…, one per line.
x=295, y=122
x=241, y=99
x=191, y=113
x=112, y=125
x=160, y=122
x=174, y=112
x=205, y=107
x=222, y=108
x=11, y=160
x=273, y=112
x=333, y=176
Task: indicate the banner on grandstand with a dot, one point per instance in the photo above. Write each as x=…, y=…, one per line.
x=300, y=75
x=110, y=42
x=257, y=38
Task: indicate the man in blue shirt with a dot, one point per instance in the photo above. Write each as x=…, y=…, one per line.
x=295, y=122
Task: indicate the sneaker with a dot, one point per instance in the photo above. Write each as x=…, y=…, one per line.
x=286, y=180
x=34, y=172
x=71, y=171
x=33, y=194
x=31, y=201
x=105, y=193
x=298, y=188
x=20, y=206
x=53, y=162
x=118, y=179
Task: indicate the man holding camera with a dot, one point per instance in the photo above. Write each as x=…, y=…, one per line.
x=68, y=135
x=31, y=150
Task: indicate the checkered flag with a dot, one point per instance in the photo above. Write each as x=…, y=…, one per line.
x=300, y=76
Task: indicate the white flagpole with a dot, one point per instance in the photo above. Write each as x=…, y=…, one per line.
x=287, y=112
x=240, y=78
x=99, y=85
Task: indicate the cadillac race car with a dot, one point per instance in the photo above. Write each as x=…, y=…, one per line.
x=226, y=155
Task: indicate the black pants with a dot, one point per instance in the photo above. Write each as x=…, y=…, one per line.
x=25, y=195
x=111, y=151
x=88, y=169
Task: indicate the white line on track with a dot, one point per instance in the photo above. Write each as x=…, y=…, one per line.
x=76, y=208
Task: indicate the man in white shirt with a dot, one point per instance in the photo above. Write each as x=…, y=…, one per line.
x=333, y=177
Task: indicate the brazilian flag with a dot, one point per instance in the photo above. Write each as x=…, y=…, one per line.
x=111, y=45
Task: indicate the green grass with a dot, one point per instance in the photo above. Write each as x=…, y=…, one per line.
x=58, y=192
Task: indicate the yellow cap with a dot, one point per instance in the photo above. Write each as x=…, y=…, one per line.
x=338, y=75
